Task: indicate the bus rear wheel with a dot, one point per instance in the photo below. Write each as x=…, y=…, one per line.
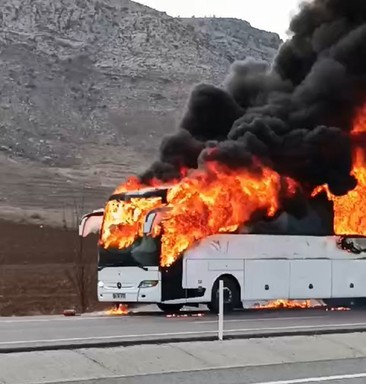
x=170, y=308
x=231, y=296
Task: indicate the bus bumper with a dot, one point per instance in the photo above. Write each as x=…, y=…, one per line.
x=140, y=295
x=129, y=285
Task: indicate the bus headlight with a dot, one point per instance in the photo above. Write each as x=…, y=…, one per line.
x=100, y=284
x=148, y=283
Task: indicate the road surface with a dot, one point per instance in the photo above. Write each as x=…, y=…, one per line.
x=333, y=359
x=53, y=332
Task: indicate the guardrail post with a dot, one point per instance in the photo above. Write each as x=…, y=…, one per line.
x=221, y=310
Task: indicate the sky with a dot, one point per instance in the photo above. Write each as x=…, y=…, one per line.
x=270, y=15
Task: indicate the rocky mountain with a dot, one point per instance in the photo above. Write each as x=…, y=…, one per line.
x=89, y=87
x=236, y=39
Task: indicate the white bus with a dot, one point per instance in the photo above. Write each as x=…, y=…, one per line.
x=255, y=268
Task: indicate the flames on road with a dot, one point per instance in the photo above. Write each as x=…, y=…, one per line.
x=288, y=304
x=118, y=310
x=298, y=304
x=123, y=310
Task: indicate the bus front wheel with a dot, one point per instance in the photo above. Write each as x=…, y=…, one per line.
x=231, y=295
x=170, y=308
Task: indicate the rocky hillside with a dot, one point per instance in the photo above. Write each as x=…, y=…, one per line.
x=236, y=39
x=88, y=88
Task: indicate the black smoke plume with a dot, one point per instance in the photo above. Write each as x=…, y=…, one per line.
x=295, y=115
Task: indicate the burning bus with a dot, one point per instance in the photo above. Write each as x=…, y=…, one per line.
x=170, y=244
x=262, y=185
x=144, y=259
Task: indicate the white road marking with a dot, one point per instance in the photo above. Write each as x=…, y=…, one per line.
x=122, y=337
x=169, y=372
x=259, y=319
x=318, y=379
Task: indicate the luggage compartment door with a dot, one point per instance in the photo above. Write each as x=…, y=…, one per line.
x=266, y=279
x=310, y=279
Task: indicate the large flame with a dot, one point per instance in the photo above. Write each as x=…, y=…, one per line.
x=349, y=215
x=210, y=201
x=134, y=184
x=217, y=200
x=123, y=221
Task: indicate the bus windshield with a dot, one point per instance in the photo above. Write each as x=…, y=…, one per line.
x=144, y=252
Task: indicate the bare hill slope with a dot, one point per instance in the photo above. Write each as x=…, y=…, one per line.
x=89, y=87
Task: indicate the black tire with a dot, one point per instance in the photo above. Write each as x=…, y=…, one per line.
x=231, y=296
x=170, y=308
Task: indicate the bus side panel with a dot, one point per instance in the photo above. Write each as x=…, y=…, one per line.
x=195, y=276
x=349, y=278
x=174, y=288
x=196, y=273
x=266, y=279
x=204, y=273
x=310, y=279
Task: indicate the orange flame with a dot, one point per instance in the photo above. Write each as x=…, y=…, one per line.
x=210, y=201
x=118, y=310
x=349, y=216
x=288, y=304
x=134, y=184
x=123, y=221
x=296, y=304
x=217, y=200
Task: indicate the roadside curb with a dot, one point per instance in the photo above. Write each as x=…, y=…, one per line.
x=183, y=339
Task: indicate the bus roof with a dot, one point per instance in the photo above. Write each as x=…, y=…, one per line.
x=253, y=246
x=142, y=194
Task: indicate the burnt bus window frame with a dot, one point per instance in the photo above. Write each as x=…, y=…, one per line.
x=113, y=257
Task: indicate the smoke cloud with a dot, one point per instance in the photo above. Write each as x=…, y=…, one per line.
x=295, y=115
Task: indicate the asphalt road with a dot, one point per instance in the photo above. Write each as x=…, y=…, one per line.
x=92, y=330
x=350, y=371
